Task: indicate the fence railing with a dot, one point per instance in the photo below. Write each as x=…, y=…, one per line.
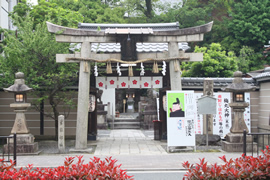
x=6, y=153
x=261, y=140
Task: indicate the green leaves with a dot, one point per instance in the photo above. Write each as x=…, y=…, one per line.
x=250, y=23
x=32, y=50
x=48, y=11
x=216, y=63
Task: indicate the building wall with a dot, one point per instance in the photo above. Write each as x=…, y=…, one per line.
x=7, y=117
x=254, y=110
x=264, y=106
x=109, y=96
x=4, y=14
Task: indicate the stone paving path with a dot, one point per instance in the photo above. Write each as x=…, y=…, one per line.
x=124, y=142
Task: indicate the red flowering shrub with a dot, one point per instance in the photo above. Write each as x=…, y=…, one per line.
x=245, y=167
x=95, y=169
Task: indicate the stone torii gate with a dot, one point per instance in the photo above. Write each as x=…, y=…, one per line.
x=86, y=37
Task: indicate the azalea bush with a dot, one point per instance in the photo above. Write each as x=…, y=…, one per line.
x=245, y=167
x=96, y=169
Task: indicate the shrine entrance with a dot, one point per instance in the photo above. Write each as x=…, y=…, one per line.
x=128, y=36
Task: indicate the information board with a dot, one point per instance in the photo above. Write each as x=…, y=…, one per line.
x=181, y=115
x=222, y=121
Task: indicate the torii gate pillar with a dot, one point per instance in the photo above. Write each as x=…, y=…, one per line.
x=83, y=94
x=175, y=76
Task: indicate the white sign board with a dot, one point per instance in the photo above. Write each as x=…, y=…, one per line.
x=222, y=120
x=181, y=115
x=247, y=112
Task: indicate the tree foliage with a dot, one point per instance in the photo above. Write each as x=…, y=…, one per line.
x=216, y=63
x=33, y=52
x=94, y=11
x=45, y=11
x=249, y=24
x=248, y=60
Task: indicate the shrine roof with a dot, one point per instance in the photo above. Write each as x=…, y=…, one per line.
x=154, y=26
x=159, y=29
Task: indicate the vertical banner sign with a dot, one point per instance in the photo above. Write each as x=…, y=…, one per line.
x=181, y=116
x=222, y=121
x=199, y=117
x=247, y=112
x=157, y=100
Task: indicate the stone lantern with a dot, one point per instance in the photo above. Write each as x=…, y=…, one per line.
x=234, y=140
x=25, y=140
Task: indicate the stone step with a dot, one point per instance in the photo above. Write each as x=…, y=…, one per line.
x=126, y=120
x=125, y=125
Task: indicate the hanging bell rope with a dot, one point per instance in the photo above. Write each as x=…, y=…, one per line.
x=130, y=71
x=109, y=68
x=155, y=68
x=176, y=65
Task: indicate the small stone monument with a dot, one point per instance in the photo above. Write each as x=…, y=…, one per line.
x=150, y=111
x=25, y=140
x=208, y=90
x=61, y=134
x=234, y=139
x=101, y=113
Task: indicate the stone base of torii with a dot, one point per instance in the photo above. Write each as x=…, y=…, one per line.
x=86, y=37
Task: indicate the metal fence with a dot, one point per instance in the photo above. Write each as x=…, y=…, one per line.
x=258, y=139
x=6, y=153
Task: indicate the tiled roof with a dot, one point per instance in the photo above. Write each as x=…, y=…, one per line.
x=154, y=26
x=218, y=82
x=141, y=47
x=264, y=74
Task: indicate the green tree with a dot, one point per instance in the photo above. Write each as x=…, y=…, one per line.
x=249, y=25
x=94, y=11
x=216, y=63
x=45, y=11
x=248, y=60
x=33, y=52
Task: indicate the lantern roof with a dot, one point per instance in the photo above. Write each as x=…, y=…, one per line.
x=19, y=84
x=238, y=84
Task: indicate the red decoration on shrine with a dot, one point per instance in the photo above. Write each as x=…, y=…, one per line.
x=145, y=84
x=134, y=82
x=157, y=81
x=123, y=84
x=100, y=84
x=112, y=82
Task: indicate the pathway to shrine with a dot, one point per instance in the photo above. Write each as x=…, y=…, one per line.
x=127, y=142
